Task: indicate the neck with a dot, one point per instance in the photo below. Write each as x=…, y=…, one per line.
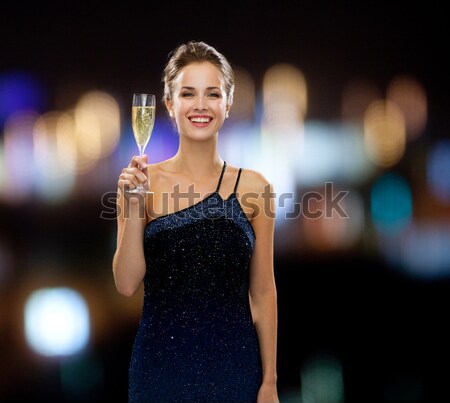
x=197, y=159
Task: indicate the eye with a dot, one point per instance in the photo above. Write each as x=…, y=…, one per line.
x=214, y=95
x=187, y=94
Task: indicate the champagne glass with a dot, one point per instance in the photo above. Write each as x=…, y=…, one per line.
x=143, y=120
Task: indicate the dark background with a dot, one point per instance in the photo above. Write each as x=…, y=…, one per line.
x=123, y=47
x=388, y=331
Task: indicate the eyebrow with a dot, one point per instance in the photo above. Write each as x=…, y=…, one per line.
x=192, y=88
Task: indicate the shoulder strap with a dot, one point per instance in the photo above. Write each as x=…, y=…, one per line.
x=221, y=175
x=237, y=180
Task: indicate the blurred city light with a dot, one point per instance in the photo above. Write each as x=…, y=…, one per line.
x=55, y=155
x=18, y=169
x=322, y=380
x=285, y=96
x=56, y=322
x=284, y=102
x=244, y=100
x=332, y=232
x=409, y=95
x=20, y=92
x=56, y=161
x=384, y=133
x=332, y=151
x=422, y=251
x=97, y=128
x=438, y=170
x=391, y=204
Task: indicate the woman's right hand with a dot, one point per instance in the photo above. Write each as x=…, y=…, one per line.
x=131, y=176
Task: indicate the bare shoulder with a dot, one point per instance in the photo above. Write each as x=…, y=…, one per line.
x=255, y=181
x=254, y=191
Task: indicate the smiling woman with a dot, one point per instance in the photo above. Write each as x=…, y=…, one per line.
x=208, y=331
x=199, y=101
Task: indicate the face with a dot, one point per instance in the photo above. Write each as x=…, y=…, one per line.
x=199, y=101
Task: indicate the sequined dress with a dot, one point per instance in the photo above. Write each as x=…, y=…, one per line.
x=196, y=341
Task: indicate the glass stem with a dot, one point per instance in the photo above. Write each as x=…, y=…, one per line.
x=141, y=154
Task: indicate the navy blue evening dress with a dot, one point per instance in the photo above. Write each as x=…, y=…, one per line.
x=196, y=341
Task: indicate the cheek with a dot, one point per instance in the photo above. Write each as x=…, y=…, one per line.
x=180, y=107
x=222, y=106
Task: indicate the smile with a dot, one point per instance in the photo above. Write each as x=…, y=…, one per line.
x=202, y=119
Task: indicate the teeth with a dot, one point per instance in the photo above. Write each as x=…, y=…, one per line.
x=200, y=120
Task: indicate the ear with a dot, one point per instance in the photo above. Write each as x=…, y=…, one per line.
x=227, y=110
x=169, y=107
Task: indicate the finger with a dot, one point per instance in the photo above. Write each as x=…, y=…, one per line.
x=141, y=177
x=138, y=173
x=138, y=161
x=144, y=164
x=125, y=185
x=130, y=178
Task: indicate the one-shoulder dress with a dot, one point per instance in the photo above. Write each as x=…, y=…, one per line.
x=196, y=340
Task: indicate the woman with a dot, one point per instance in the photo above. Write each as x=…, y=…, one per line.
x=208, y=330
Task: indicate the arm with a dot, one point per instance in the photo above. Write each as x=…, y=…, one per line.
x=262, y=288
x=129, y=261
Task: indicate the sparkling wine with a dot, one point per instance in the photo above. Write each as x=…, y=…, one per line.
x=143, y=119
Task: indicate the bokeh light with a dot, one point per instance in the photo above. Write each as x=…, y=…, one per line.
x=244, y=101
x=285, y=98
x=437, y=169
x=331, y=152
x=18, y=172
x=391, y=204
x=409, y=95
x=339, y=231
x=19, y=92
x=322, y=380
x=97, y=128
x=56, y=322
x=359, y=104
x=422, y=251
x=54, y=155
x=425, y=250
x=384, y=133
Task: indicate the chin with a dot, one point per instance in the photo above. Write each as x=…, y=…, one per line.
x=199, y=136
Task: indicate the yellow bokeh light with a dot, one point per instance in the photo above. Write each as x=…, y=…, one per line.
x=244, y=96
x=282, y=124
x=284, y=95
x=409, y=95
x=384, y=133
x=97, y=127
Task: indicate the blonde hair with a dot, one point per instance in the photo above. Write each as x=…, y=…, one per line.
x=196, y=52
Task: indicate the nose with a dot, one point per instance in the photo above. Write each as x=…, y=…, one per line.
x=200, y=103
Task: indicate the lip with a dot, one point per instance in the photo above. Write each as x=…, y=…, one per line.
x=200, y=124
